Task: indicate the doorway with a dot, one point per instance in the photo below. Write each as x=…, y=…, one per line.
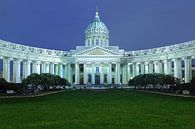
x=97, y=79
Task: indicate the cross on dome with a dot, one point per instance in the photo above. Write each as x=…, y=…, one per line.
x=97, y=18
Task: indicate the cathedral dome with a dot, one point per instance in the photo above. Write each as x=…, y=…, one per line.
x=96, y=33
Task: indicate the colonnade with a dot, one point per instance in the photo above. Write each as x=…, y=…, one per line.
x=93, y=41
x=113, y=72
x=121, y=74
x=169, y=66
x=28, y=67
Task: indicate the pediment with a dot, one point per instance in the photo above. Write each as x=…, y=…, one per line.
x=97, y=51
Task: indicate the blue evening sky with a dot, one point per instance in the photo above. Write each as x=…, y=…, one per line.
x=133, y=24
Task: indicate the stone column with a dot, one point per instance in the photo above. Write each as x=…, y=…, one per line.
x=51, y=68
x=156, y=67
x=56, y=67
x=43, y=67
x=23, y=69
x=61, y=70
x=34, y=69
x=110, y=73
x=38, y=67
x=137, y=69
x=187, y=61
x=16, y=71
x=76, y=73
x=128, y=71
x=118, y=73
x=101, y=75
x=85, y=73
x=166, y=67
x=125, y=73
x=65, y=71
x=150, y=67
x=69, y=73
x=160, y=65
x=142, y=68
x=47, y=68
x=146, y=67
x=177, y=68
x=6, y=69
x=93, y=74
x=26, y=68
x=134, y=70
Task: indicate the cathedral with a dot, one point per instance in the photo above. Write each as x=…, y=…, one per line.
x=97, y=63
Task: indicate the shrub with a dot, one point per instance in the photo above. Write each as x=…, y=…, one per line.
x=46, y=80
x=153, y=80
x=2, y=81
x=192, y=89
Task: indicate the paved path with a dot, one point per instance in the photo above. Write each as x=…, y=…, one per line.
x=169, y=94
x=31, y=96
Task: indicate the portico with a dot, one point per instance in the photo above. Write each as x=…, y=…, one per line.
x=95, y=73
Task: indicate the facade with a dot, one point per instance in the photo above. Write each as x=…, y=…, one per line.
x=97, y=62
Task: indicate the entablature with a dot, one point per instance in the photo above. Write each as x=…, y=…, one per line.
x=9, y=46
x=167, y=49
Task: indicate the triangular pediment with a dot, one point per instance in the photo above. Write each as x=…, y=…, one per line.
x=97, y=51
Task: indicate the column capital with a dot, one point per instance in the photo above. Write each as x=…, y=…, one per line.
x=6, y=58
x=129, y=63
x=17, y=60
x=46, y=62
x=175, y=59
x=28, y=61
x=36, y=61
x=165, y=61
x=187, y=57
x=150, y=62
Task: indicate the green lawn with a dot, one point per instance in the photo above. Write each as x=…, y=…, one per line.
x=117, y=109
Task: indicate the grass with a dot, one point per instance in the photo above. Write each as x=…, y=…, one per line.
x=118, y=109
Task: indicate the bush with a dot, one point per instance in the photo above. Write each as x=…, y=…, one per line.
x=192, y=89
x=183, y=86
x=155, y=80
x=17, y=87
x=2, y=81
x=45, y=80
